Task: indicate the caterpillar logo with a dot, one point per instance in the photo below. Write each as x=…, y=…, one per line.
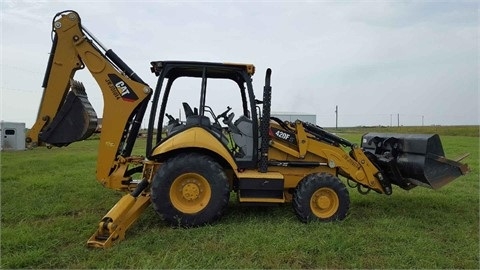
x=120, y=89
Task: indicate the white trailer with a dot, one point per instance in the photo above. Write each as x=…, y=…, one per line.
x=12, y=136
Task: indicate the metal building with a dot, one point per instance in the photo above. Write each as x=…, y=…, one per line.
x=12, y=136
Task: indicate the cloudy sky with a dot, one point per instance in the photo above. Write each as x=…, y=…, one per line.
x=374, y=60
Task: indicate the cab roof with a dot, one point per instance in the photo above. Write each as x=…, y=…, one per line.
x=195, y=69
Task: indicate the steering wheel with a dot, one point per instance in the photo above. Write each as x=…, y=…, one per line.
x=227, y=120
x=171, y=119
x=223, y=114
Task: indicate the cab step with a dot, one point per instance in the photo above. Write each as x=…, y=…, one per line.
x=264, y=188
x=260, y=200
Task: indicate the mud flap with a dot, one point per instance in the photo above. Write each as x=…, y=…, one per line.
x=410, y=160
x=75, y=121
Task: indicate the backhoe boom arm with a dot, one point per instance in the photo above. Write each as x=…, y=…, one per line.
x=65, y=114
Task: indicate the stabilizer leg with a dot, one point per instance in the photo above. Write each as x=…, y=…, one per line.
x=116, y=222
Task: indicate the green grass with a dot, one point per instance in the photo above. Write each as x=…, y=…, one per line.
x=51, y=204
x=468, y=131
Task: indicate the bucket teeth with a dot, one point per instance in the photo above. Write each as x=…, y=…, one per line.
x=78, y=88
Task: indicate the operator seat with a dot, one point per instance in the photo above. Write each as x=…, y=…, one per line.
x=245, y=138
x=192, y=117
x=188, y=110
x=198, y=120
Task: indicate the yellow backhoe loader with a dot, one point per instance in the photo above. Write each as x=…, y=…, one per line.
x=191, y=166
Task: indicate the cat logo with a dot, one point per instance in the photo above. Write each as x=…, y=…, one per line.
x=120, y=89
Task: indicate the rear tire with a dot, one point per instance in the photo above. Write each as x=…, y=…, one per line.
x=321, y=197
x=190, y=190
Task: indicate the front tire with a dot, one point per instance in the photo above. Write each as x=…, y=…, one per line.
x=190, y=190
x=321, y=197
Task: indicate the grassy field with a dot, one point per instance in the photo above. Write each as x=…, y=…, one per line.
x=466, y=131
x=51, y=204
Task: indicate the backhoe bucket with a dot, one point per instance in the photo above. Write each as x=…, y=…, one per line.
x=410, y=160
x=75, y=121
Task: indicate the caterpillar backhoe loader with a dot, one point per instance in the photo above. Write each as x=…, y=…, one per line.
x=191, y=166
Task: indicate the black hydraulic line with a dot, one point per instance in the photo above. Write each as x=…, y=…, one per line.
x=264, y=125
x=349, y=183
x=281, y=123
x=137, y=122
x=110, y=54
x=134, y=170
x=361, y=191
x=203, y=91
x=321, y=133
x=50, y=62
x=298, y=164
x=140, y=188
x=123, y=66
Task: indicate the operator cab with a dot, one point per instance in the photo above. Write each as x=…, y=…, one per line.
x=217, y=97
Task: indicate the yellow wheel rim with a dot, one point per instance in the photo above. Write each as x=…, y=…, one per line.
x=324, y=203
x=190, y=193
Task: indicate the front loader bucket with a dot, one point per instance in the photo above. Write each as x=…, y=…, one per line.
x=75, y=121
x=410, y=160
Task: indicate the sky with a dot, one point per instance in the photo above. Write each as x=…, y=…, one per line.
x=381, y=62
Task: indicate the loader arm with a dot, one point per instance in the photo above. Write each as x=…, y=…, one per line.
x=326, y=146
x=65, y=114
x=382, y=160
